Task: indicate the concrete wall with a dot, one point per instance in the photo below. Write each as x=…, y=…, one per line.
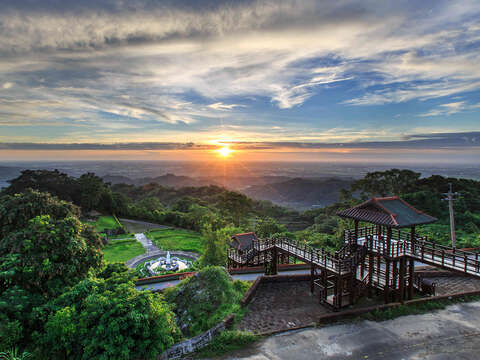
x=177, y=351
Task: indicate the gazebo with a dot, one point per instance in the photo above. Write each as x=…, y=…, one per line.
x=386, y=240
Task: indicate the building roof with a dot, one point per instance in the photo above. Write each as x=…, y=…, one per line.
x=388, y=211
x=243, y=241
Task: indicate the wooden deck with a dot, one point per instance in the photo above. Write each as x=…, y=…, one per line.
x=368, y=262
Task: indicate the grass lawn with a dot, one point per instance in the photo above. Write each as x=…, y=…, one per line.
x=105, y=222
x=176, y=239
x=122, y=250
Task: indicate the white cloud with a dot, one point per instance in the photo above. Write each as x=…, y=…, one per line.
x=222, y=106
x=7, y=85
x=178, y=66
x=451, y=108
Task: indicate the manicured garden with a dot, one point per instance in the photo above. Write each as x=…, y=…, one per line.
x=122, y=250
x=176, y=239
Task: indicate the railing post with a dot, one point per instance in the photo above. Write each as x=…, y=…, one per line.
x=465, y=261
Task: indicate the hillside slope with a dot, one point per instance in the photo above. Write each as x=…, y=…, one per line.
x=300, y=193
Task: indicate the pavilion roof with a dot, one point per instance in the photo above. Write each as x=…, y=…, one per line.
x=388, y=211
x=243, y=241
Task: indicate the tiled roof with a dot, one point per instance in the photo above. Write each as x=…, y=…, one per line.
x=388, y=211
x=243, y=241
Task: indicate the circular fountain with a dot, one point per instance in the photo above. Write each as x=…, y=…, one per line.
x=167, y=263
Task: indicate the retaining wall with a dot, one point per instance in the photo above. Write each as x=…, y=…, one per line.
x=183, y=348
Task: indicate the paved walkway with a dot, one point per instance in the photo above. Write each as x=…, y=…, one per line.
x=453, y=333
x=147, y=243
x=281, y=305
x=138, y=226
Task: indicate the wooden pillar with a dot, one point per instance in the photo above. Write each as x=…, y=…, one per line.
x=312, y=278
x=356, y=233
x=352, y=288
x=411, y=269
x=387, y=266
x=386, y=291
x=389, y=240
x=339, y=291
x=378, y=269
x=370, y=274
x=401, y=285
x=395, y=277
x=412, y=238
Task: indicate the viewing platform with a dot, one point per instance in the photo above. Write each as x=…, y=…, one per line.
x=380, y=257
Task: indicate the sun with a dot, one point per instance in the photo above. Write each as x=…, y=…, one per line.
x=225, y=151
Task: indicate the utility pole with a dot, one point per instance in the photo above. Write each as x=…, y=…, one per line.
x=451, y=197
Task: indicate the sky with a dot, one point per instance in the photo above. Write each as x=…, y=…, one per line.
x=296, y=80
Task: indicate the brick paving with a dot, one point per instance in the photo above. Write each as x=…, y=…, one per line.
x=281, y=305
x=284, y=305
x=455, y=284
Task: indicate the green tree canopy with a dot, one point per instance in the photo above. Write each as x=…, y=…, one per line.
x=235, y=205
x=386, y=183
x=216, y=243
x=107, y=319
x=44, y=248
x=267, y=227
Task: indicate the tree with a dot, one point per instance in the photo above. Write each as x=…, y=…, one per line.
x=267, y=227
x=215, y=244
x=204, y=300
x=91, y=191
x=107, y=319
x=44, y=248
x=54, y=182
x=386, y=183
x=235, y=205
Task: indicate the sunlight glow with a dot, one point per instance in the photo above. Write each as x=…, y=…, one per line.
x=225, y=151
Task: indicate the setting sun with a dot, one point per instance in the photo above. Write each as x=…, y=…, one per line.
x=225, y=151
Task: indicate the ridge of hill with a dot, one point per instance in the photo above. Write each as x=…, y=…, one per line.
x=301, y=193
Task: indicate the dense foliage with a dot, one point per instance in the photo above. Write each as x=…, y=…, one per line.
x=57, y=301
x=88, y=191
x=44, y=248
x=205, y=299
x=107, y=319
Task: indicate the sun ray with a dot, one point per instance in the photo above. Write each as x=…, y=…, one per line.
x=225, y=151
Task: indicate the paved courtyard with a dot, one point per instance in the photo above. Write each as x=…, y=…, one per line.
x=282, y=305
x=455, y=284
x=452, y=333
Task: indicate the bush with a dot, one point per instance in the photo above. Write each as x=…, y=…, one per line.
x=106, y=319
x=205, y=299
x=227, y=341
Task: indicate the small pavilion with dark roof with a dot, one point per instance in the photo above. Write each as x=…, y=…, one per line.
x=243, y=242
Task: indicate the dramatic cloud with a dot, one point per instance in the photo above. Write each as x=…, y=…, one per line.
x=103, y=71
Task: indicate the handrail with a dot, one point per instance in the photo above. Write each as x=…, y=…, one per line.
x=347, y=259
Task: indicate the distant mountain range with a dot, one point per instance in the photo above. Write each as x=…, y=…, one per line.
x=175, y=181
x=300, y=193
x=297, y=193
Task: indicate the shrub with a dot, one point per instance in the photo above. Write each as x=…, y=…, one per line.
x=205, y=299
x=107, y=319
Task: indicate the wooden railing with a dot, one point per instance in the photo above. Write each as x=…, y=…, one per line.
x=421, y=249
x=347, y=258
x=339, y=264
